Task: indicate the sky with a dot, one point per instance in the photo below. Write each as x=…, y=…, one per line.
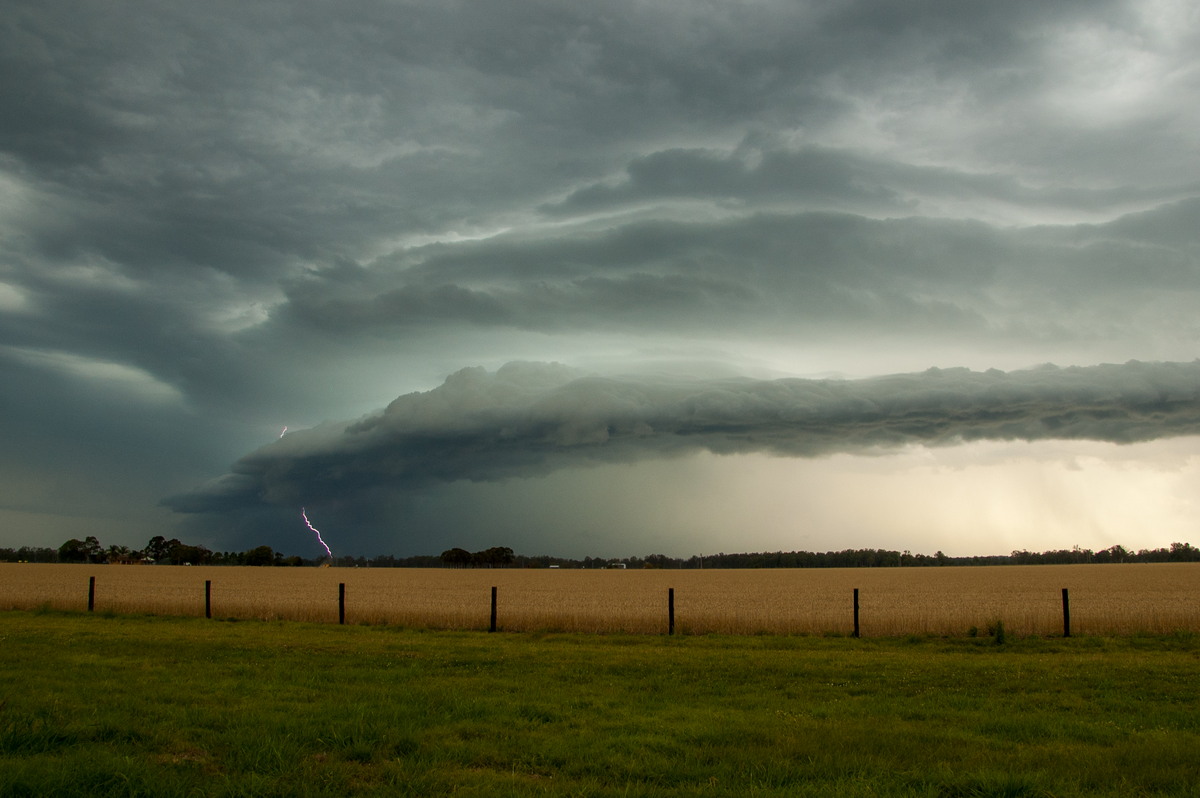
x=600, y=279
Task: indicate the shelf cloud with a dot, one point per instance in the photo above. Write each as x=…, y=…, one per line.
x=528, y=419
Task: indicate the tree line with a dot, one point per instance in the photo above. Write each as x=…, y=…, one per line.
x=495, y=557
x=160, y=550
x=885, y=558
x=847, y=558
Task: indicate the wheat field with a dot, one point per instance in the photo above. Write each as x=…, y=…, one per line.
x=1104, y=599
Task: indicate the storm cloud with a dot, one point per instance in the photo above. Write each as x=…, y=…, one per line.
x=770, y=274
x=528, y=419
x=220, y=218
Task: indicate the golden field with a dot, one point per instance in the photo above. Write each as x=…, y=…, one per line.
x=1105, y=599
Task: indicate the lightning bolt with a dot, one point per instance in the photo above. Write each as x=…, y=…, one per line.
x=316, y=531
x=305, y=515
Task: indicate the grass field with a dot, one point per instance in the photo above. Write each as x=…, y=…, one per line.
x=114, y=705
x=1105, y=599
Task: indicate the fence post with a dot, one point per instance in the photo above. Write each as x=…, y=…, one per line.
x=1066, y=614
x=670, y=610
x=91, y=593
x=492, y=625
x=856, y=612
x=341, y=602
x=207, y=598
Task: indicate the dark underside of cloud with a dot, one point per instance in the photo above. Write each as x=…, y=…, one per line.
x=220, y=217
x=528, y=419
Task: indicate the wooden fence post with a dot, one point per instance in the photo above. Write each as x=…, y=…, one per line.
x=670, y=610
x=856, y=612
x=207, y=598
x=91, y=593
x=1066, y=614
x=341, y=602
x=492, y=624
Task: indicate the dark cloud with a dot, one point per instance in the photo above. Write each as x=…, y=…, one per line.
x=258, y=214
x=789, y=274
x=95, y=464
x=529, y=419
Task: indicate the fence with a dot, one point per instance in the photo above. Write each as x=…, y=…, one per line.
x=493, y=624
x=1109, y=599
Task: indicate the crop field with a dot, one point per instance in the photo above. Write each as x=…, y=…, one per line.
x=1104, y=599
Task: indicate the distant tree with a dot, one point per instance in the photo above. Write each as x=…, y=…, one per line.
x=95, y=552
x=30, y=554
x=118, y=554
x=262, y=555
x=86, y=550
x=1023, y=557
x=1116, y=553
x=183, y=554
x=1183, y=552
x=159, y=548
x=456, y=557
x=497, y=556
x=73, y=550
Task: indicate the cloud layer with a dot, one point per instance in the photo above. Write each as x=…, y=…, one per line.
x=219, y=218
x=530, y=419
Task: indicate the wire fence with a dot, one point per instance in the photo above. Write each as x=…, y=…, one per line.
x=1022, y=600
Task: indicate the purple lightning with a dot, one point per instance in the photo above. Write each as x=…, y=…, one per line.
x=308, y=523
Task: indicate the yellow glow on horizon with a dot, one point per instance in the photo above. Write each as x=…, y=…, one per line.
x=972, y=499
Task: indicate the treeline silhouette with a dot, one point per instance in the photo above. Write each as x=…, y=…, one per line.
x=158, y=551
x=174, y=552
x=859, y=558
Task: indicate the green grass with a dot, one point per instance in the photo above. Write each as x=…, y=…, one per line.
x=127, y=706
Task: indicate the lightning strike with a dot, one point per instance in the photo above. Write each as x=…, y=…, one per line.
x=316, y=531
x=283, y=431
